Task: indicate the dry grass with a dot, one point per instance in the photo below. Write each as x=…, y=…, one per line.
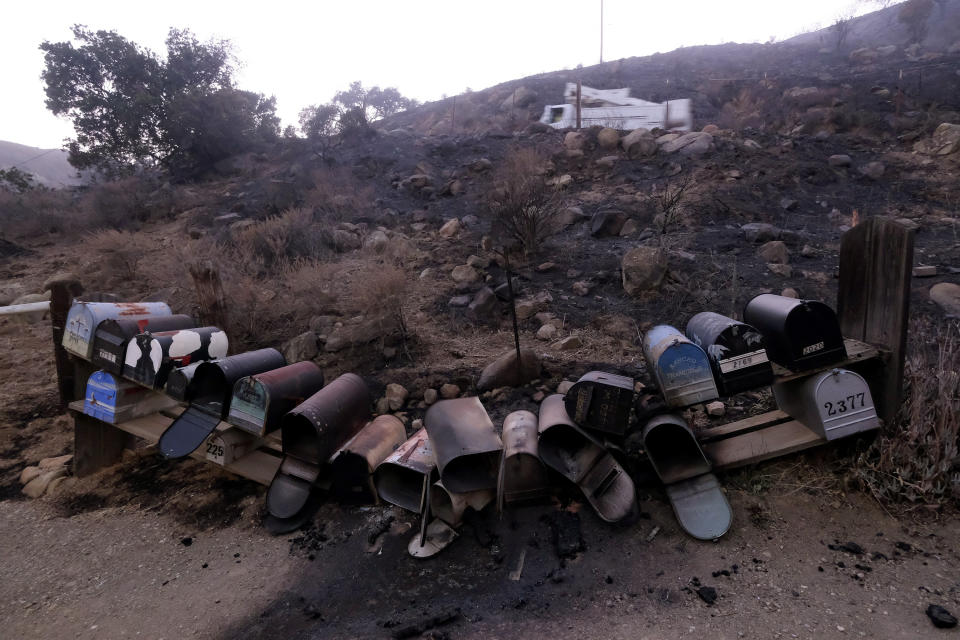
x=522, y=203
x=275, y=243
x=337, y=195
x=33, y=214
x=116, y=255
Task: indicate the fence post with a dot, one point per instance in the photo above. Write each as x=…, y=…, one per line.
x=63, y=287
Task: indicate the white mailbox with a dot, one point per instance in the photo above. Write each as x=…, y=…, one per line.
x=834, y=403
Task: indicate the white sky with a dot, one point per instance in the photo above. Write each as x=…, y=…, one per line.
x=303, y=53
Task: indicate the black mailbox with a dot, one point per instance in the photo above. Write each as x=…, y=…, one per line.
x=178, y=382
x=261, y=400
x=601, y=401
x=111, y=337
x=152, y=356
x=737, y=352
x=800, y=334
x=322, y=423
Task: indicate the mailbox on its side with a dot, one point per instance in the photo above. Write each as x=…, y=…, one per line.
x=736, y=351
x=353, y=464
x=313, y=430
x=84, y=318
x=261, y=400
x=112, y=336
x=466, y=444
x=834, y=404
x=800, y=334
x=405, y=476
x=681, y=368
x=601, y=401
x=522, y=474
x=152, y=356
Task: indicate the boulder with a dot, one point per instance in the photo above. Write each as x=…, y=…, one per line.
x=665, y=138
x=478, y=262
x=570, y=343
x=629, y=228
x=643, y=269
x=450, y=228
x=303, y=347
x=774, y=251
x=396, y=395
x=760, y=232
x=52, y=463
x=506, y=371
x=459, y=301
x=485, y=306
x=575, y=141
x=947, y=295
x=28, y=474
x=607, y=162
x=529, y=307
x=547, y=332
x=344, y=241
x=568, y=216
x=607, y=223
x=481, y=166
x=639, y=143
x=784, y=270
x=449, y=391
x=520, y=98
x=351, y=335
x=430, y=396
x=10, y=291
x=376, y=241
x=873, y=170
x=38, y=486
x=608, y=139
x=790, y=292
x=946, y=140
x=582, y=287
x=464, y=274
x=689, y=144
x=840, y=160
x=711, y=129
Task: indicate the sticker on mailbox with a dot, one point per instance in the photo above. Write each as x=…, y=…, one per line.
x=215, y=450
x=109, y=357
x=744, y=361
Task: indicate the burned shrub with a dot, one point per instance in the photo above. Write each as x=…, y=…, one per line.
x=274, y=243
x=523, y=204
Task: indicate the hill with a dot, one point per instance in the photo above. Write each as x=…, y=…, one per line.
x=50, y=166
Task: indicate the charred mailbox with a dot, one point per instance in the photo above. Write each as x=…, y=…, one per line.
x=151, y=357
x=800, y=334
x=112, y=336
x=261, y=400
x=405, y=476
x=353, y=464
x=522, y=474
x=681, y=368
x=601, y=401
x=84, y=318
x=834, y=403
x=466, y=444
x=736, y=351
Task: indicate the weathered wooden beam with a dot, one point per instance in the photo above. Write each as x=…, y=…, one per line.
x=63, y=287
x=96, y=444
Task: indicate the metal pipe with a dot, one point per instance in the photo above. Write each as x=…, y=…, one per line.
x=29, y=307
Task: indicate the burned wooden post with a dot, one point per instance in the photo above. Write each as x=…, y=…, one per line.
x=63, y=287
x=213, y=302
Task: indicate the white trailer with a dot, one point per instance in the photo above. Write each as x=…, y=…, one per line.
x=616, y=109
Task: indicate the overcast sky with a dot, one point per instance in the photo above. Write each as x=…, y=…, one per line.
x=303, y=53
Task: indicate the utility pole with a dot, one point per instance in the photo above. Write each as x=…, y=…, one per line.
x=601, y=31
x=578, y=102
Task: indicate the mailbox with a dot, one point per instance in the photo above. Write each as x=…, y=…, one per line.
x=84, y=318
x=353, y=464
x=681, y=368
x=405, y=476
x=800, y=334
x=111, y=337
x=571, y=452
x=522, y=474
x=450, y=506
x=322, y=423
x=111, y=399
x=833, y=403
x=601, y=401
x=465, y=443
x=261, y=400
x=209, y=395
x=736, y=351
x=151, y=357
x=289, y=494
x=178, y=382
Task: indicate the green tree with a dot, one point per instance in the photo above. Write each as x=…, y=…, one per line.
x=131, y=108
x=17, y=181
x=317, y=121
x=375, y=102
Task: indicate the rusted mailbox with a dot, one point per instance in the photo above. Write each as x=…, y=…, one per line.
x=450, y=506
x=834, y=403
x=698, y=501
x=522, y=474
x=261, y=400
x=353, y=464
x=112, y=336
x=601, y=401
x=737, y=352
x=800, y=334
x=152, y=356
x=209, y=395
x=570, y=451
x=405, y=476
x=681, y=368
x=112, y=399
x=84, y=318
x=465, y=443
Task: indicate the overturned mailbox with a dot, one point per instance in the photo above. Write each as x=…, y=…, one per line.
x=209, y=395
x=601, y=401
x=800, y=334
x=737, y=352
x=261, y=400
x=450, y=506
x=465, y=443
x=112, y=399
x=567, y=449
x=84, y=318
x=112, y=336
x=151, y=357
x=405, y=476
x=695, y=494
x=353, y=464
x=681, y=368
x=834, y=403
x=522, y=474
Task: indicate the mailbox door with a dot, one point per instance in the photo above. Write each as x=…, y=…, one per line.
x=248, y=407
x=844, y=403
x=685, y=376
x=814, y=337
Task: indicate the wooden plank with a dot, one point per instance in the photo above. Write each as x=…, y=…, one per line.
x=857, y=351
x=96, y=444
x=756, y=446
x=742, y=426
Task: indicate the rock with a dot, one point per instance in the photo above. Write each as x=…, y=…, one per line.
x=485, y=306
x=568, y=216
x=752, y=144
x=450, y=228
x=564, y=387
x=784, y=270
x=840, y=160
x=420, y=181
x=528, y=307
x=629, y=228
x=940, y=617
x=564, y=181
x=477, y=262
x=570, y=343
x=449, y=391
x=608, y=138
x=382, y=406
x=690, y=144
x=716, y=408
x=607, y=223
x=575, y=141
x=430, y=396
x=582, y=288
x=520, y=98
x=481, y=166
x=643, y=269
x=639, y=143
x=790, y=292
x=351, y=335
x=666, y=138
x=760, y=232
x=607, y=162
x=547, y=332
x=464, y=274
x=873, y=170
x=38, y=486
x=459, y=301
x=396, y=396
x=774, y=251
x=52, y=463
x=947, y=295
x=344, y=241
x=711, y=129
x=376, y=241
x=10, y=291
x=945, y=141
x=506, y=371
x=545, y=266
x=707, y=594
x=322, y=324
x=807, y=251
x=788, y=204
x=924, y=271
x=28, y=474
x=303, y=347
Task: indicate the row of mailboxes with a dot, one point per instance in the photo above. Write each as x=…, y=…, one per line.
x=152, y=356
x=112, y=336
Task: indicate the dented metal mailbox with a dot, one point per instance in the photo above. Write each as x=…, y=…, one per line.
x=737, y=352
x=681, y=368
x=151, y=357
x=84, y=318
x=601, y=401
x=465, y=443
x=353, y=464
x=834, y=404
x=571, y=452
x=322, y=423
x=112, y=336
x=800, y=334
x=522, y=474
x=111, y=399
x=261, y=400
x=405, y=476
x=450, y=506
x=695, y=494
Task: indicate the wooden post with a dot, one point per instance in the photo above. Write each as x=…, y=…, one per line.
x=63, y=287
x=213, y=303
x=96, y=444
x=578, y=104
x=873, y=299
